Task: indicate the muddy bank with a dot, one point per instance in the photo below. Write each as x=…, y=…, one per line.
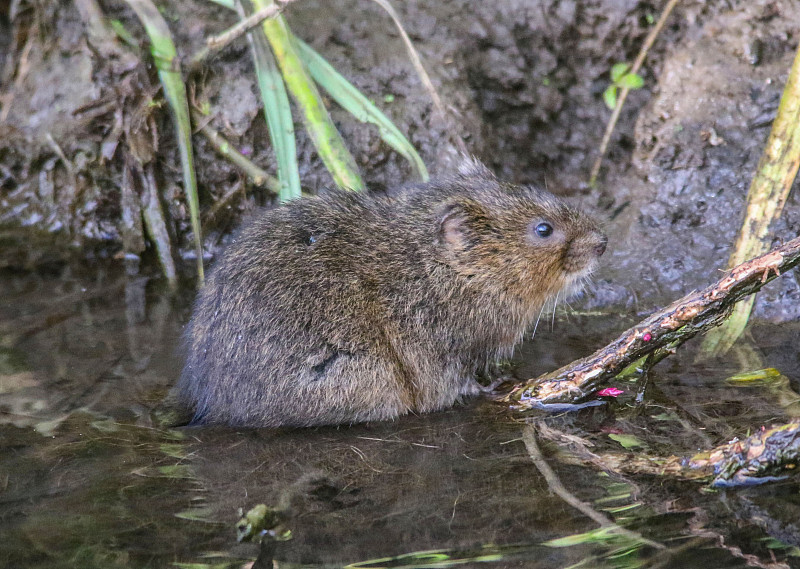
x=698, y=141
x=523, y=83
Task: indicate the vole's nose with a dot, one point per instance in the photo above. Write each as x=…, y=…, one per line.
x=600, y=248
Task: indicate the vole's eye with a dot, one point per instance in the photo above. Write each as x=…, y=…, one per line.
x=543, y=229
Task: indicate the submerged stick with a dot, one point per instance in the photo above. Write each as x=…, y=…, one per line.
x=555, y=485
x=658, y=335
x=766, y=456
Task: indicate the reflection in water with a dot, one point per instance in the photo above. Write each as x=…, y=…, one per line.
x=89, y=478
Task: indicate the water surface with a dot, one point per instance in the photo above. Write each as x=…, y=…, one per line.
x=91, y=477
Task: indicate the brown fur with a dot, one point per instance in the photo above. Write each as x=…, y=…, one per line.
x=355, y=307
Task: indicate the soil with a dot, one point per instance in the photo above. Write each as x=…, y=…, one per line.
x=522, y=81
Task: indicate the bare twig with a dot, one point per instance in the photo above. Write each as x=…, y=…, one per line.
x=623, y=93
x=233, y=33
x=156, y=223
x=211, y=213
x=423, y=75
x=529, y=438
x=256, y=174
x=22, y=71
x=97, y=27
x=60, y=153
x=73, y=179
x=658, y=335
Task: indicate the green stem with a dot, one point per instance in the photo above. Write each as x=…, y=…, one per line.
x=165, y=56
x=258, y=175
x=355, y=103
x=320, y=127
x=769, y=189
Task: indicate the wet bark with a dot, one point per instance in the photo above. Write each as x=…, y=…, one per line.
x=655, y=338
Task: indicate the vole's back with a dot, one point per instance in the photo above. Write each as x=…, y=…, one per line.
x=350, y=307
x=286, y=308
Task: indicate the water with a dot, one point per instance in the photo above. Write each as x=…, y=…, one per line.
x=89, y=477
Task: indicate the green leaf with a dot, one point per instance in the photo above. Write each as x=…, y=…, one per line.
x=177, y=471
x=175, y=450
x=279, y=116
x=627, y=441
x=165, y=56
x=631, y=81
x=610, y=96
x=618, y=70
x=317, y=121
x=603, y=535
x=355, y=103
x=761, y=376
x=665, y=417
x=624, y=508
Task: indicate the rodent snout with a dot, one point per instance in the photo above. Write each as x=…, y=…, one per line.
x=584, y=251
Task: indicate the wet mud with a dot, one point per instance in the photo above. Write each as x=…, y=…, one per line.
x=522, y=82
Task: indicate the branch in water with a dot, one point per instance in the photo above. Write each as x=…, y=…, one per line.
x=768, y=455
x=657, y=336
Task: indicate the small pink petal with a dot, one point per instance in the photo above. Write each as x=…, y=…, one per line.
x=609, y=392
x=647, y=336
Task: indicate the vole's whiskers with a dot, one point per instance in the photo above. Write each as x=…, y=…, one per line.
x=553, y=321
x=535, y=326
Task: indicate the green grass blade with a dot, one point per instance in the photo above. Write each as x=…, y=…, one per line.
x=165, y=55
x=318, y=123
x=279, y=116
x=769, y=189
x=156, y=224
x=354, y=102
x=226, y=3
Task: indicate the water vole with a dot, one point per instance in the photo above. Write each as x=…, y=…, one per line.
x=353, y=307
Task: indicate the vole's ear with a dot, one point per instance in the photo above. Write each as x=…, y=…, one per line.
x=459, y=223
x=471, y=167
